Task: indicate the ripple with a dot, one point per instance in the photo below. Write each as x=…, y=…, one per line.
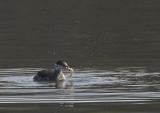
x=117, y=85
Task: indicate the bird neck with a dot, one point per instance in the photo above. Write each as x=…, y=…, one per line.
x=61, y=76
x=59, y=73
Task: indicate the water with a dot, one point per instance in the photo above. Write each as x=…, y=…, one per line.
x=113, y=46
x=124, y=88
x=86, y=33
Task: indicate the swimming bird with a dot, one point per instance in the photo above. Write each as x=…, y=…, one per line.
x=55, y=74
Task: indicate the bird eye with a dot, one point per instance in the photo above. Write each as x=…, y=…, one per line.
x=66, y=66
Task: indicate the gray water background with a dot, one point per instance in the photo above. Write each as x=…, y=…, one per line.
x=86, y=33
x=113, y=46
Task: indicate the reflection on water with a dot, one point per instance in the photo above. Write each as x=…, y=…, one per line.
x=132, y=86
x=118, y=85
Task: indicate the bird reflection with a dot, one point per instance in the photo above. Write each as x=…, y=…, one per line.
x=64, y=85
x=66, y=90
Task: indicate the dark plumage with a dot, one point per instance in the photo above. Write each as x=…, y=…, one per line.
x=47, y=75
x=62, y=63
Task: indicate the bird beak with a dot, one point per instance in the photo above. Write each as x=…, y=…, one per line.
x=70, y=69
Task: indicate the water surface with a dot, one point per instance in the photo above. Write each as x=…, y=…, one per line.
x=113, y=46
x=129, y=87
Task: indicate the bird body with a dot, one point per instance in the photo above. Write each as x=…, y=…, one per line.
x=55, y=74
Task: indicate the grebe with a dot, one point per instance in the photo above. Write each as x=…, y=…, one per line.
x=55, y=74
